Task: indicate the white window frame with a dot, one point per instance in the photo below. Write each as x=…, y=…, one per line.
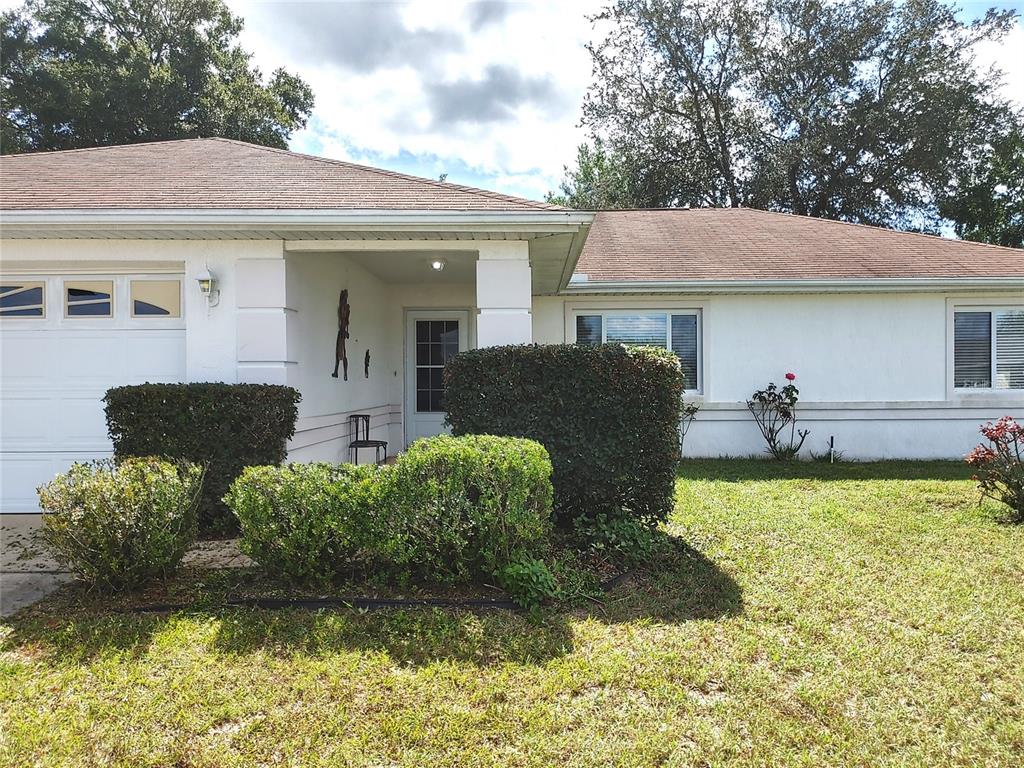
x=155, y=279
x=22, y=282
x=54, y=302
x=66, y=299
x=606, y=312
x=992, y=306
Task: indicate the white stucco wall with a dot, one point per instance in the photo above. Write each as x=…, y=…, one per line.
x=314, y=283
x=873, y=369
x=211, y=332
x=377, y=323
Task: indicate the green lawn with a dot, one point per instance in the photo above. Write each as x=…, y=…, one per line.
x=862, y=615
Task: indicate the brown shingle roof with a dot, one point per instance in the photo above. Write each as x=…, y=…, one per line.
x=747, y=244
x=222, y=173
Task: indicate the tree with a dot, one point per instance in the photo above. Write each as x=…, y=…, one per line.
x=861, y=110
x=81, y=73
x=986, y=200
x=600, y=180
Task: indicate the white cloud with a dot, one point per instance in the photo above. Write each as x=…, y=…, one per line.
x=1007, y=55
x=492, y=94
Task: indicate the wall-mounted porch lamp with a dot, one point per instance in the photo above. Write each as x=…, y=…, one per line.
x=438, y=264
x=208, y=287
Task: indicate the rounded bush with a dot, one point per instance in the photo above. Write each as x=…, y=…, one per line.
x=465, y=507
x=450, y=510
x=119, y=525
x=609, y=415
x=308, y=522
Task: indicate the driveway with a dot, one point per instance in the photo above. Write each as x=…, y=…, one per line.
x=27, y=573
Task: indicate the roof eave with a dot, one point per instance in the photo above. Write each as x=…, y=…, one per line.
x=195, y=219
x=821, y=285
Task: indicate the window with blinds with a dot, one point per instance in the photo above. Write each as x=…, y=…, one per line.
x=988, y=349
x=677, y=331
x=1009, y=367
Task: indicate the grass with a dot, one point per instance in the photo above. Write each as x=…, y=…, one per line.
x=855, y=614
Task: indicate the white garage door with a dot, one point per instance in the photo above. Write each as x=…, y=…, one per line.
x=64, y=340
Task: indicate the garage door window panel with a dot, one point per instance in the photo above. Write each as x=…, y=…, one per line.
x=89, y=298
x=156, y=298
x=22, y=299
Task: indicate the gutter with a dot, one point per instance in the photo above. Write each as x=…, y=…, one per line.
x=575, y=250
x=834, y=285
x=298, y=219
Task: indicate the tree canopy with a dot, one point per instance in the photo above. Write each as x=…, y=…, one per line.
x=871, y=111
x=85, y=73
x=986, y=200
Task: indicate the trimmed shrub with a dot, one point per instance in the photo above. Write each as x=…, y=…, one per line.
x=224, y=427
x=450, y=510
x=307, y=522
x=609, y=416
x=118, y=525
x=464, y=508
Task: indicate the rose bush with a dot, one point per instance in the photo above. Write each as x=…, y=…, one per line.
x=774, y=410
x=999, y=466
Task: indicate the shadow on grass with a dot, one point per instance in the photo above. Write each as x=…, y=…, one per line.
x=680, y=585
x=740, y=470
x=407, y=636
x=72, y=628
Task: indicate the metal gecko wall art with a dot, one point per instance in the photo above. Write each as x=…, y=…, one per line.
x=340, y=355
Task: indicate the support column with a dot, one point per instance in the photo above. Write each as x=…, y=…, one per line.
x=504, y=294
x=262, y=317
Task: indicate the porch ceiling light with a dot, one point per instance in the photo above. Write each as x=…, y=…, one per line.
x=438, y=264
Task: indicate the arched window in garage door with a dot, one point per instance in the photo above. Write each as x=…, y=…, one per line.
x=22, y=299
x=88, y=298
x=156, y=298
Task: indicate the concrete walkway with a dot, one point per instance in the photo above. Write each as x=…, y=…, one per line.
x=28, y=573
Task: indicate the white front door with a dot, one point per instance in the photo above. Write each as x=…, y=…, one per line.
x=432, y=337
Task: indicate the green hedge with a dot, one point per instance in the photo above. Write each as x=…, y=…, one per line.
x=608, y=415
x=466, y=507
x=308, y=522
x=224, y=427
x=121, y=525
x=450, y=510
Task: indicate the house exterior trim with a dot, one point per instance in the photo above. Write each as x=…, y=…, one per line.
x=299, y=219
x=844, y=285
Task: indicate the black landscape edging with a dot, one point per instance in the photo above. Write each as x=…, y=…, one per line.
x=337, y=603
x=359, y=603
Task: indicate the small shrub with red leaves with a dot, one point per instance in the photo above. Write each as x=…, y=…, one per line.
x=999, y=466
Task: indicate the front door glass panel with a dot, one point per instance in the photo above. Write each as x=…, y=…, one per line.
x=437, y=342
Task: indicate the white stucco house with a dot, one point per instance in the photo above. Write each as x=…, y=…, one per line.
x=902, y=343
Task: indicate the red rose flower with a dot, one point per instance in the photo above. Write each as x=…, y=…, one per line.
x=790, y=376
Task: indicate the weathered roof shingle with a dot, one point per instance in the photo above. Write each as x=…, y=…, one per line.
x=747, y=244
x=224, y=174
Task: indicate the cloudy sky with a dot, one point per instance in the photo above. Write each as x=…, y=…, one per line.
x=486, y=91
